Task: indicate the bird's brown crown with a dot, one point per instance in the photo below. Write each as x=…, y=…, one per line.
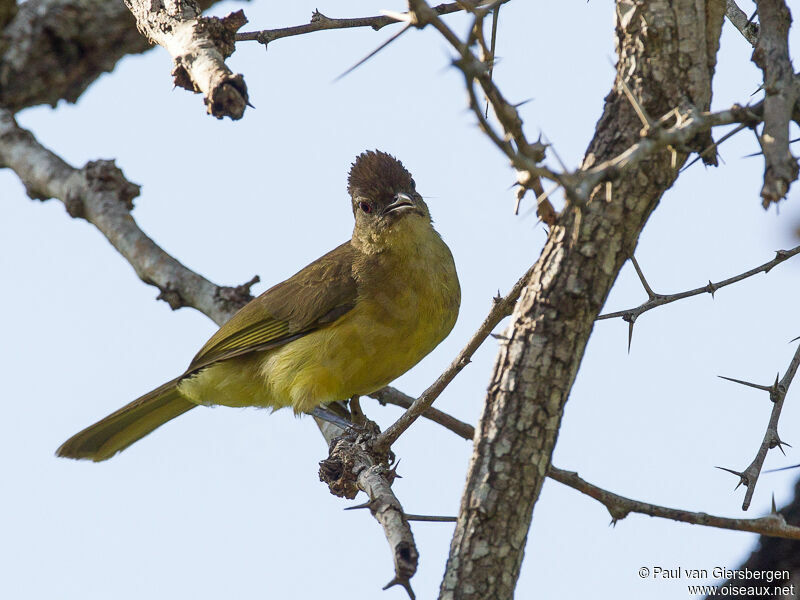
x=376, y=174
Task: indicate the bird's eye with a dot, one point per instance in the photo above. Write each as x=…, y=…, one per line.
x=365, y=206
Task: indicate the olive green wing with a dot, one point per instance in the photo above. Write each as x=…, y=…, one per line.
x=317, y=295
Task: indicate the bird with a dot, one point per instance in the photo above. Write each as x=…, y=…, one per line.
x=345, y=325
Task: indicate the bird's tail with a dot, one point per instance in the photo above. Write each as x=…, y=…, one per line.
x=130, y=423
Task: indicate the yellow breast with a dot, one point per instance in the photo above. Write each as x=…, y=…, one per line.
x=408, y=302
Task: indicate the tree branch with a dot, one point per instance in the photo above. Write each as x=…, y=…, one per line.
x=773, y=526
x=654, y=300
x=777, y=394
x=54, y=49
x=782, y=92
x=739, y=19
x=198, y=46
x=620, y=507
x=554, y=316
x=390, y=395
x=100, y=194
x=502, y=307
x=355, y=464
x=320, y=22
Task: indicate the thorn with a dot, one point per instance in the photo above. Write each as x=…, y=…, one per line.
x=373, y=53
x=631, y=319
x=782, y=469
x=520, y=195
x=500, y=336
x=747, y=383
x=430, y=518
x=775, y=389
x=742, y=477
x=779, y=444
x=391, y=475
x=795, y=339
x=638, y=109
x=714, y=145
x=366, y=504
x=630, y=335
x=774, y=508
x=406, y=585
x=711, y=289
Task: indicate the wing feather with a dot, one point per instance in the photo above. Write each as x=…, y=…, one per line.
x=312, y=298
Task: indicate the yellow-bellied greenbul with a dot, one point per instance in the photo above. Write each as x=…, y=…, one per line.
x=347, y=324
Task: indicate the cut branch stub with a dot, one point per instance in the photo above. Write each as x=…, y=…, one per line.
x=198, y=46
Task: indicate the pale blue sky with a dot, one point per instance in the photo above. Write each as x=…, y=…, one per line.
x=225, y=503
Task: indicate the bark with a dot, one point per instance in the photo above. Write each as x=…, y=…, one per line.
x=198, y=46
x=667, y=53
x=782, y=92
x=54, y=49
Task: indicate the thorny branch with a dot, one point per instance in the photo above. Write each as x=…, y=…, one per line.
x=390, y=395
x=502, y=307
x=675, y=130
x=777, y=394
x=620, y=507
x=654, y=300
x=354, y=464
x=320, y=22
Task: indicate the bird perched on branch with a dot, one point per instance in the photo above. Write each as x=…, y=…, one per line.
x=345, y=325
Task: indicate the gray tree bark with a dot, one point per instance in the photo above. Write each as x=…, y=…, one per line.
x=667, y=54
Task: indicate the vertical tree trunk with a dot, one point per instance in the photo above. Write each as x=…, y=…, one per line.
x=667, y=53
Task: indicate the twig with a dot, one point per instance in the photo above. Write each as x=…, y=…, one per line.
x=632, y=314
x=492, y=48
x=525, y=156
x=620, y=507
x=773, y=525
x=739, y=19
x=354, y=464
x=502, y=308
x=100, y=194
x=714, y=146
x=390, y=395
x=320, y=22
x=777, y=393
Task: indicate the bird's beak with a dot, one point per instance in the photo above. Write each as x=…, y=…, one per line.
x=401, y=200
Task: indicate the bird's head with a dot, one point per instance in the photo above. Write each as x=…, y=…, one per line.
x=384, y=196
